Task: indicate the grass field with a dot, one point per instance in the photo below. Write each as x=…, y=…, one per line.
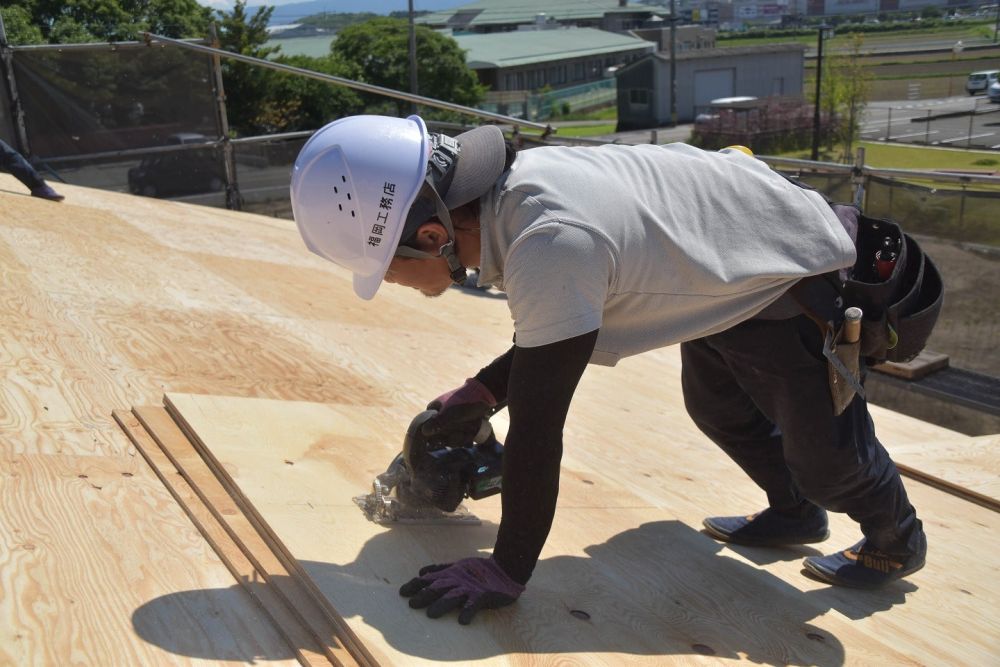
x=903, y=156
x=587, y=130
x=895, y=156
x=901, y=39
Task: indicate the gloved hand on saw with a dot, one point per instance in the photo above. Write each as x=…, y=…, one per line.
x=460, y=412
x=471, y=583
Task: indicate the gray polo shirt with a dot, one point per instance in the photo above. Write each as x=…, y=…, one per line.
x=654, y=245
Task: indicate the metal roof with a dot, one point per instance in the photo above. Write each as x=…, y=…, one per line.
x=486, y=12
x=720, y=52
x=315, y=46
x=524, y=47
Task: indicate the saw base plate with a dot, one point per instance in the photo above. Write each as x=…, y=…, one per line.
x=391, y=512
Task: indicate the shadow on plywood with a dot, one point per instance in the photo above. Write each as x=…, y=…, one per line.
x=658, y=590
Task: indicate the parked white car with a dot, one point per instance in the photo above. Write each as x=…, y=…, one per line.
x=980, y=82
x=994, y=92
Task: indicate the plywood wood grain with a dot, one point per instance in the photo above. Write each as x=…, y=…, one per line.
x=87, y=575
x=652, y=584
x=283, y=615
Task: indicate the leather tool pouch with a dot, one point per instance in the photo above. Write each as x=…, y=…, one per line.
x=901, y=309
x=843, y=369
x=820, y=298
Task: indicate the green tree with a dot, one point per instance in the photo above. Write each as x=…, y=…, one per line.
x=310, y=103
x=20, y=26
x=66, y=21
x=250, y=104
x=380, y=50
x=264, y=101
x=846, y=86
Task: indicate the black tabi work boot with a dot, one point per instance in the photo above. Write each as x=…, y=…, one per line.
x=864, y=566
x=769, y=528
x=46, y=192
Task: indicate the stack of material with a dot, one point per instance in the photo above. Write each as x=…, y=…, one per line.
x=294, y=395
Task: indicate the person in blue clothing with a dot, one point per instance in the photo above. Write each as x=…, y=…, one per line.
x=13, y=162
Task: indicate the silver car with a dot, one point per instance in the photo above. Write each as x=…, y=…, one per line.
x=994, y=92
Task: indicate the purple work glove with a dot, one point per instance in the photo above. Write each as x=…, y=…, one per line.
x=460, y=412
x=471, y=583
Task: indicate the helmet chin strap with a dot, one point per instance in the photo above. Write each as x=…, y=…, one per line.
x=458, y=274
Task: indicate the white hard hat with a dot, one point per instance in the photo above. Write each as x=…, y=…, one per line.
x=352, y=184
x=355, y=181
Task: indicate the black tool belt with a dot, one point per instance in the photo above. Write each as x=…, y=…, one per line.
x=900, y=306
x=900, y=296
x=900, y=309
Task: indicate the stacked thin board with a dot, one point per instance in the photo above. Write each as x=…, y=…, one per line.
x=314, y=632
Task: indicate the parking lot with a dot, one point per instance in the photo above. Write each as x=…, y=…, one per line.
x=953, y=122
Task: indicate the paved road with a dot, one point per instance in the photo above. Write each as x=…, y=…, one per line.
x=954, y=122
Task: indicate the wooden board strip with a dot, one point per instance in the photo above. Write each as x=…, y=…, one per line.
x=920, y=366
x=356, y=648
x=305, y=647
x=964, y=465
x=949, y=487
x=339, y=645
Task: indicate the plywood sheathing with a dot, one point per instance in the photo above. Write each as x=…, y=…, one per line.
x=98, y=562
x=634, y=561
x=109, y=300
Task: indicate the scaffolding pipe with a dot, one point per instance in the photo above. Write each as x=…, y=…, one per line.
x=233, y=199
x=357, y=85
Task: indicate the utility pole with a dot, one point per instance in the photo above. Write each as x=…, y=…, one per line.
x=413, y=57
x=819, y=77
x=673, y=63
x=996, y=26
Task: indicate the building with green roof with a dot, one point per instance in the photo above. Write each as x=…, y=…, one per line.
x=529, y=60
x=486, y=16
x=573, y=65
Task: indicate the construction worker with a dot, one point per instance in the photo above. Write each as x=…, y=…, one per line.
x=605, y=252
x=13, y=162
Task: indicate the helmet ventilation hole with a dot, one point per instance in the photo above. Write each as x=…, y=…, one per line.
x=340, y=196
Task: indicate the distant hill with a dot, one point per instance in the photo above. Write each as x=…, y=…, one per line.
x=292, y=12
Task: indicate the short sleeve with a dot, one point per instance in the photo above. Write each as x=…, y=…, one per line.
x=557, y=279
